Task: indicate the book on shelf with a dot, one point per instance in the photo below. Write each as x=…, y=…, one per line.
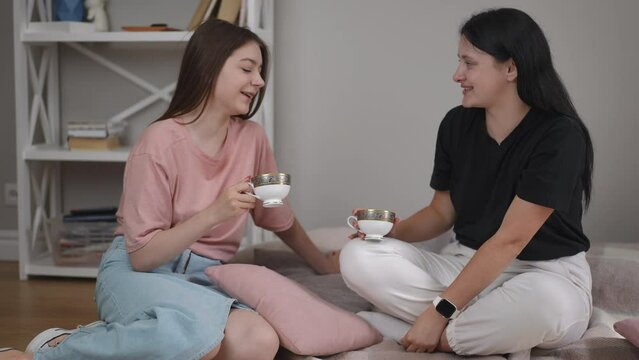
x=242, y=19
x=85, y=143
x=94, y=210
x=229, y=10
x=212, y=10
x=91, y=125
x=89, y=218
x=81, y=242
x=96, y=133
x=94, y=130
x=200, y=14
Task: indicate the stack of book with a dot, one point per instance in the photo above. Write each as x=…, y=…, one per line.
x=98, y=214
x=233, y=11
x=83, y=236
x=93, y=136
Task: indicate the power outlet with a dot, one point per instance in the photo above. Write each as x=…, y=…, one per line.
x=10, y=194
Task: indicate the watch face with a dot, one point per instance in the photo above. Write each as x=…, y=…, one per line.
x=445, y=308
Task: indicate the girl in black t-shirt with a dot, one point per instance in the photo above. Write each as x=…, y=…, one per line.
x=513, y=170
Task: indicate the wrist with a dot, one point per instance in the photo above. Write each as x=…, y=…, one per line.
x=433, y=315
x=212, y=215
x=445, y=308
x=323, y=269
x=320, y=264
x=395, y=231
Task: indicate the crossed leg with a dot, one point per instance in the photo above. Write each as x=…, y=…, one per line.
x=247, y=336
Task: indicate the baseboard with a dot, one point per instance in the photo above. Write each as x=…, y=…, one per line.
x=9, y=245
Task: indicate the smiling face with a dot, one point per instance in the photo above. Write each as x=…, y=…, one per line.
x=239, y=81
x=485, y=82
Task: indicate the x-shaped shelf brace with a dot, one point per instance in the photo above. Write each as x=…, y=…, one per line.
x=38, y=105
x=40, y=217
x=156, y=93
x=39, y=115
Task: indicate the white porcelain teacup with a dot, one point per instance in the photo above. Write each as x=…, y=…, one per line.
x=374, y=223
x=271, y=188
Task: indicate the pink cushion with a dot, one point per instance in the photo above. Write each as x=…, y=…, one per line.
x=305, y=324
x=629, y=329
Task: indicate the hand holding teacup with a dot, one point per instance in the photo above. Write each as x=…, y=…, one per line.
x=271, y=188
x=374, y=224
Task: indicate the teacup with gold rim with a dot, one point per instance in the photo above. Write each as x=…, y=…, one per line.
x=374, y=223
x=271, y=188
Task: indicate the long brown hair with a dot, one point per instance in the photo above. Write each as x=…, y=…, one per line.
x=206, y=52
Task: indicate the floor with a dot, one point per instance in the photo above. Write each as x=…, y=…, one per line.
x=30, y=306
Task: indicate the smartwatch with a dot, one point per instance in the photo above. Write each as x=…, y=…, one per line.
x=446, y=308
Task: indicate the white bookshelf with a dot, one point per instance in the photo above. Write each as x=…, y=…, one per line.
x=37, y=90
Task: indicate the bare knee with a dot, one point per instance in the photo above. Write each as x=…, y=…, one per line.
x=248, y=336
x=265, y=342
x=212, y=354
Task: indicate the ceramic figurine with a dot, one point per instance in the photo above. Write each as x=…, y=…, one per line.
x=96, y=13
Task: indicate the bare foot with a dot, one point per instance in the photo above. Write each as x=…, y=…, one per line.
x=56, y=341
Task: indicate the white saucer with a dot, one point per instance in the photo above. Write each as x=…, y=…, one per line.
x=272, y=203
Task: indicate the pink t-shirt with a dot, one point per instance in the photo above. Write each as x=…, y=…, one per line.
x=168, y=179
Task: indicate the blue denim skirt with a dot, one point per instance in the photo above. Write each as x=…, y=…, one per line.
x=172, y=312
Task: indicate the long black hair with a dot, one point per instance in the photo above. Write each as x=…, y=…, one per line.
x=511, y=34
x=206, y=52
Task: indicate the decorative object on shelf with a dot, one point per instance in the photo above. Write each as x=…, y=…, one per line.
x=96, y=13
x=68, y=10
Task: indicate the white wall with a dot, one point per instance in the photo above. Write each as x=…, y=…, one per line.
x=8, y=214
x=363, y=84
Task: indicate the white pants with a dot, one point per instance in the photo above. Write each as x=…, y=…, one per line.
x=532, y=303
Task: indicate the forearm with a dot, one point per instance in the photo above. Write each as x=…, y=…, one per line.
x=425, y=224
x=522, y=221
x=297, y=239
x=167, y=244
x=489, y=261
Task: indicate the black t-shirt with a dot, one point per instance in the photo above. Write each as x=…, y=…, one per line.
x=541, y=161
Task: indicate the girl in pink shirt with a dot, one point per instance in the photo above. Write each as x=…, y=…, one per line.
x=184, y=208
